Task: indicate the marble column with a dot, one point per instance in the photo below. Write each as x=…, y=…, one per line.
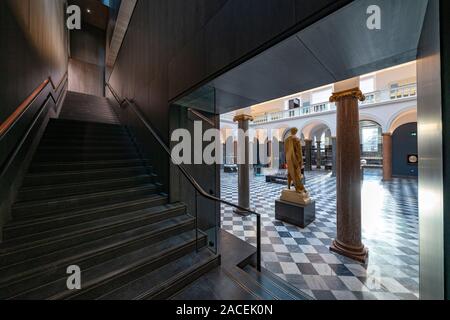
x=318, y=155
x=308, y=155
x=348, y=241
x=243, y=164
x=333, y=149
x=387, y=157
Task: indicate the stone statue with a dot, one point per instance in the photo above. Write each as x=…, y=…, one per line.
x=294, y=159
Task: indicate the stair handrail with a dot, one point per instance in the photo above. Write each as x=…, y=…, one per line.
x=25, y=105
x=188, y=176
x=201, y=116
x=21, y=110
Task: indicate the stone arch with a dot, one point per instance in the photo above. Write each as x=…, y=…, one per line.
x=370, y=117
x=313, y=126
x=408, y=115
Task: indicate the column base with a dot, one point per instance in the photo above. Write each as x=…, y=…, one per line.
x=242, y=213
x=360, y=254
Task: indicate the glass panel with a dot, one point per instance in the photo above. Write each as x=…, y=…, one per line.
x=197, y=110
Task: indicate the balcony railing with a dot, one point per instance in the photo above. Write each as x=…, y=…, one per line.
x=402, y=92
x=393, y=94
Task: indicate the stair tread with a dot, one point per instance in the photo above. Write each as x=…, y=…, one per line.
x=69, y=214
x=50, y=187
x=30, y=204
x=54, y=121
x=82, y=251
x=240, y=276
x=89, y=162
x=282, y=289
x=80, y=173
x=81, y=228
x=149, y=285
x=108, y=270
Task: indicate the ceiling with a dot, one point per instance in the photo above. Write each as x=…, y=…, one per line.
x=335, y=48
x=98, y=15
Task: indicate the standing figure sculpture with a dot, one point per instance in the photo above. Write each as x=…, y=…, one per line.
x=294, y=159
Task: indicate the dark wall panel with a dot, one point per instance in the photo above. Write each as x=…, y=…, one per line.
x=88, y=45
x=172, y=46
x=87, y=60
x=34, y=47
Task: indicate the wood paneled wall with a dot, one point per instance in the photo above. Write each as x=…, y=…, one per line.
x=34, y=47
x=87, y=60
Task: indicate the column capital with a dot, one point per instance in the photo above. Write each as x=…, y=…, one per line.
x=243, y=117
x=352, y=93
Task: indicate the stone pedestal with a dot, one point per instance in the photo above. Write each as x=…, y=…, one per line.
x=348, y=177
x=295, y=197
x=387, y=157
x=308, y=155
x=296, y=214
x=243, y=166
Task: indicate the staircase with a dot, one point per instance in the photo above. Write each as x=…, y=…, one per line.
x=90, y=200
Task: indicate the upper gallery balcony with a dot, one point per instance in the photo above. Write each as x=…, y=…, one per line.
x=397, y=94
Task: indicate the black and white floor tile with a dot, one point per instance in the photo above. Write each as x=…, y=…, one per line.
x=302, y=256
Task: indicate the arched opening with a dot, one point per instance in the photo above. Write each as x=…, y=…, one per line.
x=371, y=144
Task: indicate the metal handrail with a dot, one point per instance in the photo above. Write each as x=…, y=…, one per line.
x=23, y=107
x=189, y=177
x=29, y=101
x=201, y=116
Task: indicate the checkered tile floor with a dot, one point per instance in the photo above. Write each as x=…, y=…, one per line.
x=302, y=256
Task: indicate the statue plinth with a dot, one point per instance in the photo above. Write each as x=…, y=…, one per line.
x=292, y=196
x=295, y=208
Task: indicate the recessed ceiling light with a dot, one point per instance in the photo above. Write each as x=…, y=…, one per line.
x=88, y=10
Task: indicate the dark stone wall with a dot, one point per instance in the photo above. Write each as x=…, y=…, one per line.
x=87, y=60
x=404, y=143
x=34, y=47
x=174, y=46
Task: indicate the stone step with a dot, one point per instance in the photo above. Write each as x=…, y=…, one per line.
x=64, y=177
x=63, y=190
x=116, y=272
x=78, y=202
x=17, y=228
x=89, y=252
x=160, y=283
